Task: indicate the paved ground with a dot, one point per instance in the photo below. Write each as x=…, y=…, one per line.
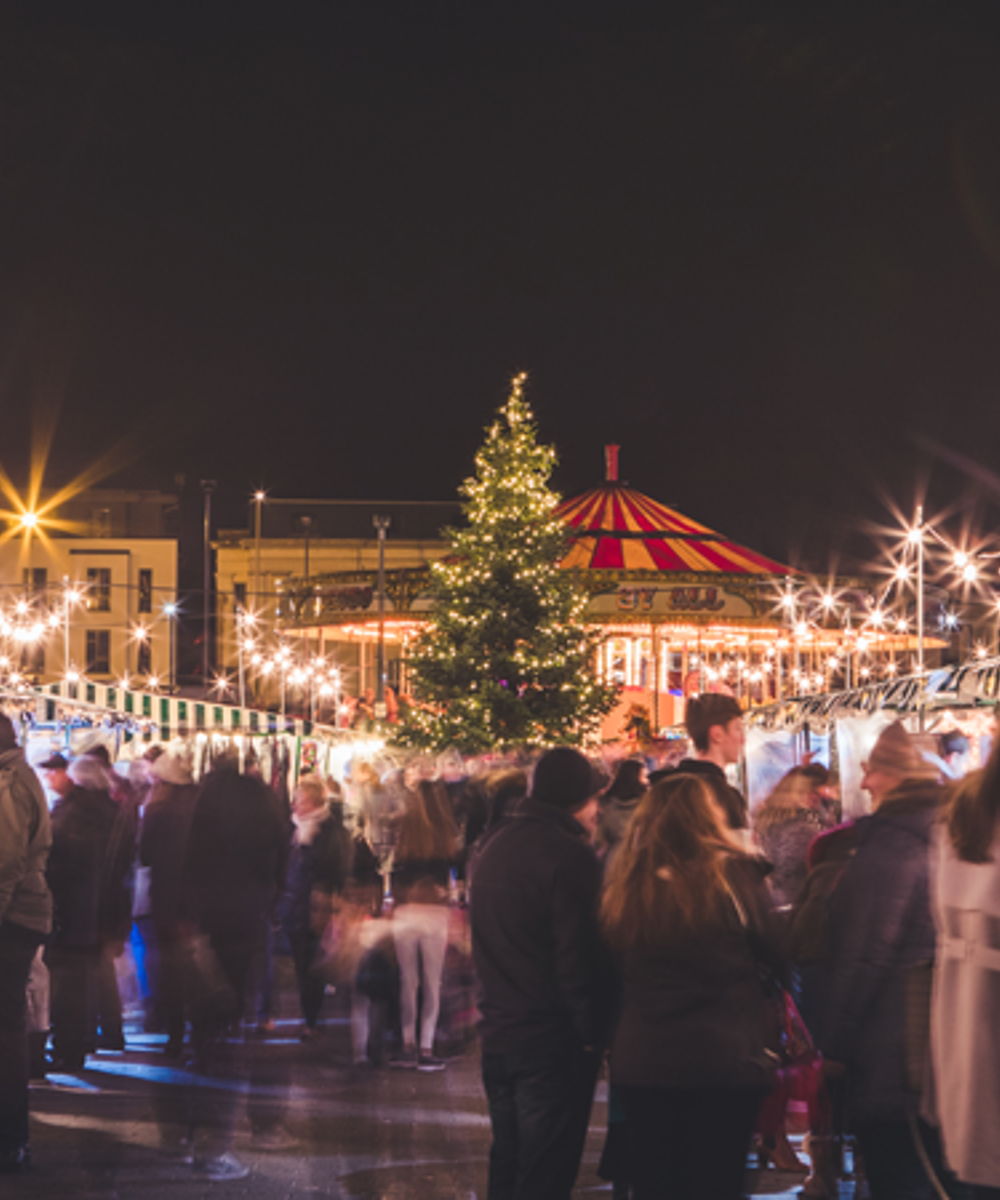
x=112, y=1131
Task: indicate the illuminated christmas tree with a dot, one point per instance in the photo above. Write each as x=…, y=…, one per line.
x=506, y=661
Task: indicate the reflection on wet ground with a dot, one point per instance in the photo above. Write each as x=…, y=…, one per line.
x=301, y=1117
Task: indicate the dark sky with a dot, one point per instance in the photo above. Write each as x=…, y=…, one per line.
x=306, y=246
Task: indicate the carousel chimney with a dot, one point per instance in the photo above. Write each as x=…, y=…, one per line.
x=611, y=463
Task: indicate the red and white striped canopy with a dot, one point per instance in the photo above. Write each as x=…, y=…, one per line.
x=616, y=527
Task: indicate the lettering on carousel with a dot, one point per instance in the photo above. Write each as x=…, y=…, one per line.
x=680, y=599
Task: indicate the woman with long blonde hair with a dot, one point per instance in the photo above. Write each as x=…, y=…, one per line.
x=426, y=851
x=687, y=913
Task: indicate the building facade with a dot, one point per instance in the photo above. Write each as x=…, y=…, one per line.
x=90, y=588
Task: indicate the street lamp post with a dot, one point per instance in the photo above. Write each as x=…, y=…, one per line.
x=170, y=611
x=381, y=524
x=208, y=486
x=258, y=500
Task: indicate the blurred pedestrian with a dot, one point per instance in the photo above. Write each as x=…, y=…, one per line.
x=166, y=824
x=319, y=865
x=542, y=978
x=965, y=1034
x=688, y=915
x=882, y=947
x=784, y=825
x=88, y=897
x=427, y=850
x=234, y=869
x=618, y=804
x=25, y=919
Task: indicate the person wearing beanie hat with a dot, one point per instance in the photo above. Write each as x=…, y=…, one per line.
x=542, y=979
x=882, y=945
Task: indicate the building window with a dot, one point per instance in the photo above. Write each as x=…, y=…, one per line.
x=145, y=664
x=99, y=589
x=33, y=659
x=240, y=596
x=98, y=652
x=145, y=590
x=36, y=582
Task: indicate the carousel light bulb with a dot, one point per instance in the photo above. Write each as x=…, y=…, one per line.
x=901, y=573
x=153, y=683
x=961, y=559
x=21, y=607
x=827, y=601
x=902, y=625
x=915, y=535
x=54, y=621
x=802, y=629
x=970, y=572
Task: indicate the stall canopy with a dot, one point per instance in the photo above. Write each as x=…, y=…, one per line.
x=616, y=528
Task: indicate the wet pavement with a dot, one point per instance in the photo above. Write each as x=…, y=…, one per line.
x=324, y=1128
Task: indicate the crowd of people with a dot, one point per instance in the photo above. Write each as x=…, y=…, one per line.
x=722, y=963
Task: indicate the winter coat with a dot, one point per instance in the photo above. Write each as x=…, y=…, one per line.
x=695, y=1011
x=732, y=801
x=829, y=852
x=78, y=873
x=166, y=823
x=533, y=913
x=320, y=865
x=234, y=866
x=25, y=838
x=964, y=1099
x=880, y=929
x=785, y=844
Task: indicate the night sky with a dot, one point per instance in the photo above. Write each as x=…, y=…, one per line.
x=305, y=246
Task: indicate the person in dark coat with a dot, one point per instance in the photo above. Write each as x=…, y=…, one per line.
x=87, y=888
x=166, y=823
x=687, y=913
x=715, y=725
x=25, y=919
x=319, y=865
x=542, y=979
x=882, y=945
x=234, y=870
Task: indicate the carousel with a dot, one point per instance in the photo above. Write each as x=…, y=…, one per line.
x=681, y=609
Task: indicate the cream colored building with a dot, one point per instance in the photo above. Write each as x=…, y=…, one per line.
x=303, y=539
x=94, y=603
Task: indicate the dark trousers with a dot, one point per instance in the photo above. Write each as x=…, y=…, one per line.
x=73, y=971
x=311, y=987
x=17, y=949
x=173, y=967
x=109, y=1001
x=686, y=1142
x=539, y=1109
x=893, y=1164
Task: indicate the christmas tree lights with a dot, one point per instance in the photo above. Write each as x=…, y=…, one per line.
x=506, y=660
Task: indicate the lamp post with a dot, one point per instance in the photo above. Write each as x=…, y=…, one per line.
x=208, y=487
x=381, y=524
x=170, y=612
x=258, y=499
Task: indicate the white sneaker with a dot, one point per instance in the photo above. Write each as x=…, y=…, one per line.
x=220, y=1167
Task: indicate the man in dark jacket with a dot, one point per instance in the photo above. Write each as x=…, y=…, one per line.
x=715, y=725
x=535, y=943
x=881, y=946
x=25, y=919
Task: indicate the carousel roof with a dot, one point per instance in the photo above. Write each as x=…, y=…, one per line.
x=616, y=527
